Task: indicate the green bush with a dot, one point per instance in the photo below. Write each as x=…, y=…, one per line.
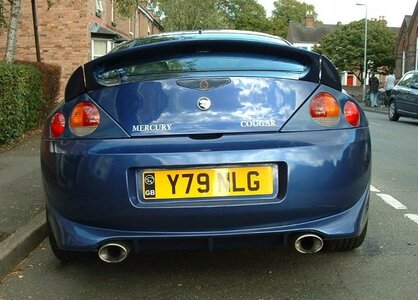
x=51, y=81
x=20, y=100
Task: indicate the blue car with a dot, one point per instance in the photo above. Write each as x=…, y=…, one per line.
x=205, y=139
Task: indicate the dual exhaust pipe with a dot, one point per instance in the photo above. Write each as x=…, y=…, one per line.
x=117, y=252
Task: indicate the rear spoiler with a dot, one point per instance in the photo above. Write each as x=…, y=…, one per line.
x=83, y=80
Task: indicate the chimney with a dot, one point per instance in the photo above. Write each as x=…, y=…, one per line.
x=382, y=21
x=309, y=20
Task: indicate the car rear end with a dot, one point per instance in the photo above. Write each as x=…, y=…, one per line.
x=205, y=137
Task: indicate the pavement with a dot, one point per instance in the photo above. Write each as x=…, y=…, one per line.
x=22, y=202
x=380, y=109
x=22, y=214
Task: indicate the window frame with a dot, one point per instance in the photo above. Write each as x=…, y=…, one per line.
x=99, y=6
x=110, y=44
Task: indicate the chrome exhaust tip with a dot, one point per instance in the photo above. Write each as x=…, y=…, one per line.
x=308, y=243
x=114, y=252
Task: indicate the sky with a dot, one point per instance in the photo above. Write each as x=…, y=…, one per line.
x=346, y=11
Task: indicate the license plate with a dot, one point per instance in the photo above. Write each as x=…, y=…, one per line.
x=209, y=183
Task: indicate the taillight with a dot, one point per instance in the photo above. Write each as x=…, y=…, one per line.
x=85, y=118
x=325, y=110
x=57, y=125
x=352, y=113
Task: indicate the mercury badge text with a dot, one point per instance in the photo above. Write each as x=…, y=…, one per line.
x=153, y=127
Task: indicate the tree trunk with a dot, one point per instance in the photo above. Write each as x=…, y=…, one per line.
x=12, y=31
x=359, y=77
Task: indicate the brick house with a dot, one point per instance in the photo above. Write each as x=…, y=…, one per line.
x=307, y=35
x=407, y=45
x=74, y=32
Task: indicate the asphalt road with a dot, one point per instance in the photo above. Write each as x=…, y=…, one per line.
x=385, y=267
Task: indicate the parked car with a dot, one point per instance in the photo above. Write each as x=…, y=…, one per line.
x=205, y=139
x=403, y=100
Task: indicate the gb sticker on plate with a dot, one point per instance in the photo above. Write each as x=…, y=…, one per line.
x=149, y=185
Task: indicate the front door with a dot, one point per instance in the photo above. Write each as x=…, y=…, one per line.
x=350, y=79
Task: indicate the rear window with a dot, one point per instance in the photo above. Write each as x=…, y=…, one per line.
x=201, y=63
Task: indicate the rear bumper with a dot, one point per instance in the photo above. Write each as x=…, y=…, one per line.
x=93, y=195
x=74, y=236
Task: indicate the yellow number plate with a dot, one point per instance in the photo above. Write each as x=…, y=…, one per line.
x=207, y=183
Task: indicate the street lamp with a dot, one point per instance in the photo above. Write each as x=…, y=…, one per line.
x=365, y=51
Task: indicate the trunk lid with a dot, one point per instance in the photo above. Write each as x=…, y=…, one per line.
x=203, y=105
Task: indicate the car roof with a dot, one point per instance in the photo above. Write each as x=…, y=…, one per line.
x=202, y=35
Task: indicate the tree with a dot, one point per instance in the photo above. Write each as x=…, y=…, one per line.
x=345, y=47
x=125, y=8
x=191, y=14
x=245, y=15
x=15, y=6
x=290, y=11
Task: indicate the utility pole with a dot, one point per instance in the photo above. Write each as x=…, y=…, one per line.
x=365, y=51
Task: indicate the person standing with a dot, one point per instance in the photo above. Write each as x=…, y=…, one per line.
x=373, y=90
x=389, y=84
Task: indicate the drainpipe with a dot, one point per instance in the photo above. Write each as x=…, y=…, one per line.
x=35, y=30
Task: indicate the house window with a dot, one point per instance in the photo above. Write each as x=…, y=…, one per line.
x=100, y=47
x=99, y=6
x=131, y=25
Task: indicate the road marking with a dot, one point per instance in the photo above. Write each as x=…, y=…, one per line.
x=412, y=217
x=377, y=124
x=392, y=201
x=373, y=189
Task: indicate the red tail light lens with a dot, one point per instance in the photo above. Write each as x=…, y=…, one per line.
x=57, y=125
x=352, y=113
x=325, y=110
x=85, y=118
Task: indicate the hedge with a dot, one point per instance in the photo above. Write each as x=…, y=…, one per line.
x=20, y=100
x=51, y=81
